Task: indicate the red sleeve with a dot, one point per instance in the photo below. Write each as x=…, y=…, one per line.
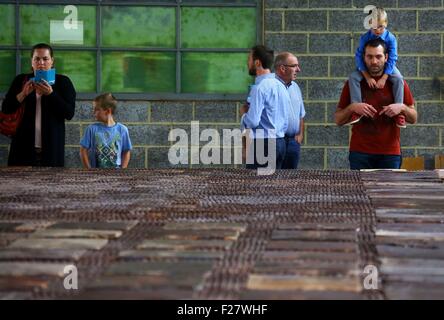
x=408, y=97
x=344, y=101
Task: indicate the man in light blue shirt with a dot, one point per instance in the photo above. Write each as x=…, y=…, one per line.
x=286, y=66
x=267, y=115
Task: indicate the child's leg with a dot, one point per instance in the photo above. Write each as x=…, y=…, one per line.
x=354, y=82
x=398, y=93
x=398, y=85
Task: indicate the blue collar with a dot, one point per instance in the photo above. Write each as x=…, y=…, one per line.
x=287, y=85
x=262, y=77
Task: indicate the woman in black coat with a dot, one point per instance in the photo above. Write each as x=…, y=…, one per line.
x=40, y=138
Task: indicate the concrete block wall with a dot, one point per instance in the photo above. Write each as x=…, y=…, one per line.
x=149, y=123
x=323, y=34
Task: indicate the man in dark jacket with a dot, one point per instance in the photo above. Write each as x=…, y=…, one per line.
x=40, y=137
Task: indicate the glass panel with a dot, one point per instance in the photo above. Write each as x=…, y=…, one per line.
x=49, y=24
x=79, y=66
x=7, y=14
x=218, y=27
x=145, y=1
x=25, y=61
x=7, y=69
x=138, y=26
x=138, y=72
x=221, y=1
x=215, y=73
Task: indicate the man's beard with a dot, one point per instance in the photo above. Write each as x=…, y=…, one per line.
x=375, y=71
x=252, y=72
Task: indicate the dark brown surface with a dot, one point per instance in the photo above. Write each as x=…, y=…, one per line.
x=409, y=232
x=220, y=234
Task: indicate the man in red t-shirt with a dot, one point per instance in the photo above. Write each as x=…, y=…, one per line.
x=375, y=140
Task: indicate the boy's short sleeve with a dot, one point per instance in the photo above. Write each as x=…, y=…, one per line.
x=126, y=141
x=86, y=141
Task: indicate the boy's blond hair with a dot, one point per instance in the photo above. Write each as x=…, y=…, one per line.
x=381, y=16
x=106, y=101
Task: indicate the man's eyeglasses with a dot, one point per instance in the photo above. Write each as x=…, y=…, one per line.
x=291, y=65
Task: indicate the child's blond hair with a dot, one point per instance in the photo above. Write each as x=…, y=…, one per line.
x=106, y=101
x=381, y=16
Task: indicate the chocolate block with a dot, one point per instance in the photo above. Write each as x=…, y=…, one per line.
x=31, y=269
x=313, y=235
x=311, y=246
x=290, y=282
x=109, y=225
x=156, y=254
x=60, y=243
x=175, y=244
x=76, y=233
x=41, y=254
x=195, y=234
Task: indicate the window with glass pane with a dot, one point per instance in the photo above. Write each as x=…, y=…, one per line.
x=205, y=72
x=138, y=27
x=141, y=46
x=219, y=2
x=218, y=27
x=138, y=72
x=7, y=14
x=7, y=67
x=80, y=67
x=40, y=23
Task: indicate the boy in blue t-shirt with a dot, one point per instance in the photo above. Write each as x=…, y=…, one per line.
x=391, y=73
x=105, y=144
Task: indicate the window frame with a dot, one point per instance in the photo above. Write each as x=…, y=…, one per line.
x=177, y=95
